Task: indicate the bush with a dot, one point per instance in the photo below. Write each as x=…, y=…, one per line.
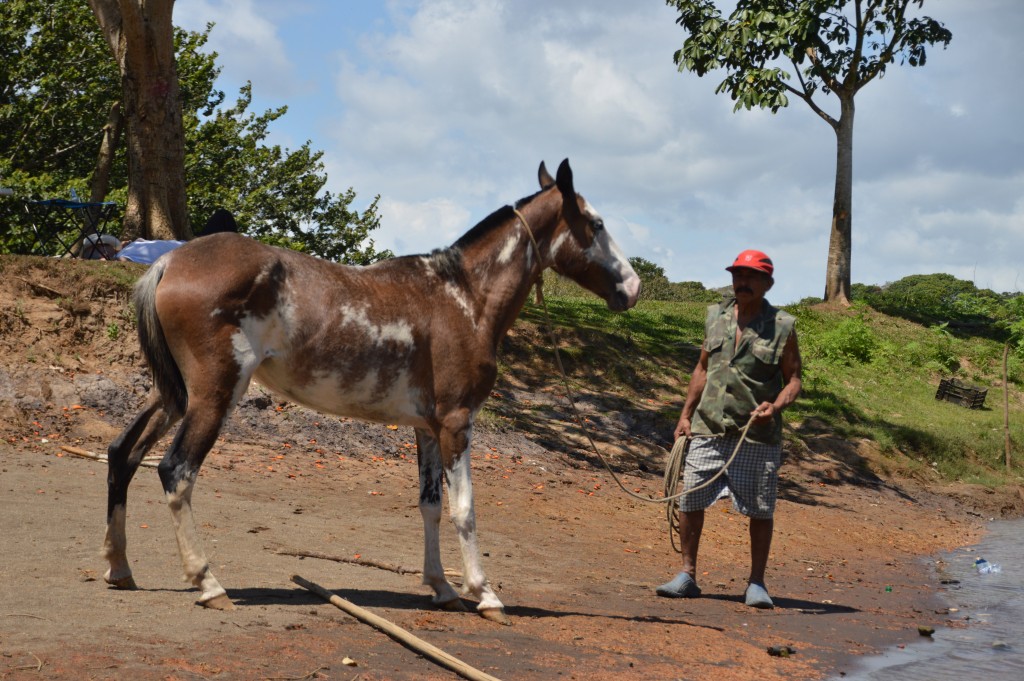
x=849, y=342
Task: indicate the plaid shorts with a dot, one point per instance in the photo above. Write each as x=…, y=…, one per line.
x=752, y=478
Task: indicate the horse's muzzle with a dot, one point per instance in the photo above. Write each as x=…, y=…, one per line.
x=620, y=301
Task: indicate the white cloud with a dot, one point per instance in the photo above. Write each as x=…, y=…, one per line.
x=445, y=108
x=245, y=38
x=421, y=227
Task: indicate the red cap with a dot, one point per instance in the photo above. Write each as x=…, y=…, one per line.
x=753, y=260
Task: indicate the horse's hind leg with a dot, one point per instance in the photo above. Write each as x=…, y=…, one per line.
x=123, y=458
x=178, y=470
x=429, y=458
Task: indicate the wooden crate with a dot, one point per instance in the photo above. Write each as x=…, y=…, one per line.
x=961, y=393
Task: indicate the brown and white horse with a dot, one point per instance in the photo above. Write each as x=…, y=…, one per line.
x=411, y=340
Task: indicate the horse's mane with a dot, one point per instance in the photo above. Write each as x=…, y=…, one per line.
x=447, y=262
x=492, y=221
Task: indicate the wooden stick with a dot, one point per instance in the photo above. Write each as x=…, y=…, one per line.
x=148, y=462
x=52, y=293
x=365, y=562
x=1006, y=404
x=396, y=632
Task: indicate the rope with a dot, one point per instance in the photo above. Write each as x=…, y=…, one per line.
x=677, y=456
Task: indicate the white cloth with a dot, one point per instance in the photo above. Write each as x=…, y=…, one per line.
x=147, y=252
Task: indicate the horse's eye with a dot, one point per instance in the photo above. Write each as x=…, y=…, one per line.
x=597, y=224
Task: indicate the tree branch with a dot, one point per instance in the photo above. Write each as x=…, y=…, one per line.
x=886, y=55
x=802, y=94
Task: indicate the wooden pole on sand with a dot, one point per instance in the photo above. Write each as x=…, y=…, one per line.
x=396, y=632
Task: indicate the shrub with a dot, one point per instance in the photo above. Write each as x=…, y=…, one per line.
x=849, y=342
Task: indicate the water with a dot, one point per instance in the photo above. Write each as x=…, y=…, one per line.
x=988, y=643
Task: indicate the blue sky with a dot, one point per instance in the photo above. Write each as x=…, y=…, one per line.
x=445, y=108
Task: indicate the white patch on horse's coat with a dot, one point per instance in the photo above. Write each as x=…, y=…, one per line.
x=459, y=296
x=243, y=350
x=508, y=249
x=370, y=397
x=460, y=508
x=557, y=244
x=114, y=544
x=399, y=331
x=193, y=559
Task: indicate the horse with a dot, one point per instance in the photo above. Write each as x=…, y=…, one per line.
x=410, y=340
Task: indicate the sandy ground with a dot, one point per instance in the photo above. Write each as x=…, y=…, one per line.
x=574, y=559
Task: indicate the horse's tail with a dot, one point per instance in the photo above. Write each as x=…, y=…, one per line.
x=167, y=377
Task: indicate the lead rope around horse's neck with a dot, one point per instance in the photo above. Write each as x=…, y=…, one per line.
x=677, y=456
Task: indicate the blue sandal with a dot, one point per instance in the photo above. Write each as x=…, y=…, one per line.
x=757, y=597
x=682, y=586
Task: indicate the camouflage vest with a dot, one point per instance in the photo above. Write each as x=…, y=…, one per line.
x=740, y=377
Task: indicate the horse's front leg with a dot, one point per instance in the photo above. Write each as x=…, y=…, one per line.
x=456, y=457
x=429, y=457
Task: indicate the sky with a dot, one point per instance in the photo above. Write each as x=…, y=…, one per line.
x=445, y=109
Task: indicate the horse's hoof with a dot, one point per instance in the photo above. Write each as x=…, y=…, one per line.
x=221, y=602
x=496, y=615
x=124, y=583
x=454, y=605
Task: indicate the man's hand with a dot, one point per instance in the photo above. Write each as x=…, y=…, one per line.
x=763, y=413
x=683, y=428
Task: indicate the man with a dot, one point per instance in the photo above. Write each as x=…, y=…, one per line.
x=749, y=368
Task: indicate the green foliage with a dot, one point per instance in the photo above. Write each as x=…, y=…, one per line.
x=818, y=39
x=692, y=291
x=849, y=342
x=655, y=285
x=932, y=296
x=956, y=306
x=58, y=83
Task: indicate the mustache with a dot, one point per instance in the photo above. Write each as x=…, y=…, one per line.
x=744, y=289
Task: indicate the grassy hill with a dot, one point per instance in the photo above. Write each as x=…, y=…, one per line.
x=867, y=377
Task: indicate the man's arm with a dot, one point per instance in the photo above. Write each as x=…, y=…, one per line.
x=697, y=382
x=792, y=382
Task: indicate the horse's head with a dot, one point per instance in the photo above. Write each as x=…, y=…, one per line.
x=583, y=250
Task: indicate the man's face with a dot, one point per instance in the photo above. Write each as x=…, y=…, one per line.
x=750, y=285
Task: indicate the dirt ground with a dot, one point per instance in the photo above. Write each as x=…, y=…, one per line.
x=853, y=565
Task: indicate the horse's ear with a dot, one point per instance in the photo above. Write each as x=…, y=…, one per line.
x=544, y=177
x=564, y=179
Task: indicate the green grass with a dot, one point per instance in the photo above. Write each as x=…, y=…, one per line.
x=866, y=376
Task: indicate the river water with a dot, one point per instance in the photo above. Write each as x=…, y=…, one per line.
x=987, y=642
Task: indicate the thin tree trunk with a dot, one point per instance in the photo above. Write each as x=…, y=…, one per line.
x=141, y=37
x=100, y=184
x=1006, y=403
x=840, y=246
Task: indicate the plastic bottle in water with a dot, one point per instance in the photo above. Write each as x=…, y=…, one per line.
x=984, y=567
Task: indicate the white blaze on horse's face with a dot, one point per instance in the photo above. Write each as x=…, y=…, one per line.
x=614, y=279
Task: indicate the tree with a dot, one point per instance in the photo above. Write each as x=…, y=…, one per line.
x=654, y=283
x=57, y=90
x=833, y=47
x=140, y=35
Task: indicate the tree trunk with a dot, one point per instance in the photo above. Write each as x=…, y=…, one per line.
x=100, y=184
x=837, y=275
x=140, y=35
